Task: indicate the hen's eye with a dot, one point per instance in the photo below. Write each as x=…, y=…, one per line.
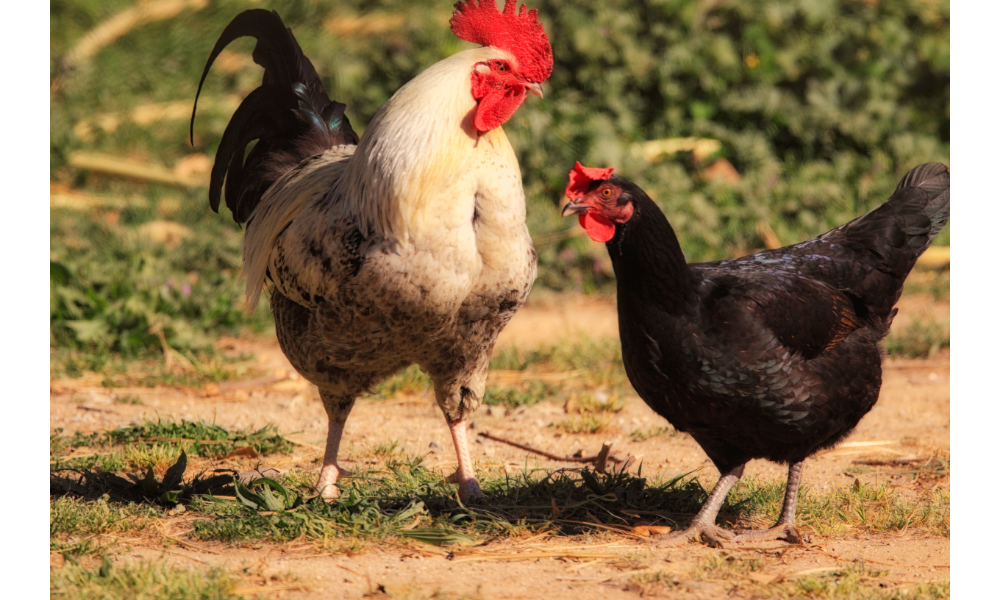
x=606, y=193
x=501, y=68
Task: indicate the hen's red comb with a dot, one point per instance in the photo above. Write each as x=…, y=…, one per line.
x=517, y=32
x=581, y=176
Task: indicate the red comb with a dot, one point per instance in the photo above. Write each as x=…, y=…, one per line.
x=517, y=32
x=581, y=176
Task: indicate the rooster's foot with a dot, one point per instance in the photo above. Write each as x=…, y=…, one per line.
x=710, y=533
x=468, y=489
x=782, y=531
x=326, y=487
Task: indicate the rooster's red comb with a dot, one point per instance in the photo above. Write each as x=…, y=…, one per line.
x=517, y=32
x=581, y=176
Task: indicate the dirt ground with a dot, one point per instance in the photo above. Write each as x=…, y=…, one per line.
x=911, y=419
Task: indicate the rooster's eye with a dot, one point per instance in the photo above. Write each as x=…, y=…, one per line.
x=606, y=193
x=501, y=68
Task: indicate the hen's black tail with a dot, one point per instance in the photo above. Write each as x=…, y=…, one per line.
x=893, y=235
x=289, y=115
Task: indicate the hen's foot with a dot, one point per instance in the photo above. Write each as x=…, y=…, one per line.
x=782, y=531
x=710, y=533
x=468, y=489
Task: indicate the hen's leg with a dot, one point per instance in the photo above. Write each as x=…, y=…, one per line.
x=703, y=525
x=337, y=409
x=465, y=475
x=785, y=528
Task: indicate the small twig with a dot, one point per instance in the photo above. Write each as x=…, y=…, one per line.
x=94, y=409
x=549, y=455
x=189, y=545
x=891, y=462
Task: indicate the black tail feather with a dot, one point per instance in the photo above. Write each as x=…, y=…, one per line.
x=894, y=234
x=290, y=115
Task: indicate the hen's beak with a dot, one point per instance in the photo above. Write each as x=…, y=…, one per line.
x=572, y=208
x=534, y=89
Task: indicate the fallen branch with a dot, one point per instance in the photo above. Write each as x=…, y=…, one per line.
x=118, y=25
x=111, y=165
x=577, y=459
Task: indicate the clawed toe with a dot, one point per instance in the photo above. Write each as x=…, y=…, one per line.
x=711, y=534
x=783, y=531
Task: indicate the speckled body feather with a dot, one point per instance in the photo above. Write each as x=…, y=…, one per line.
x=774, y=355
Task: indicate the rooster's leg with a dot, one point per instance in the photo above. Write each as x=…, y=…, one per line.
x=465, y=475
x=337, y=409
x=785, y=528
x=703, y=525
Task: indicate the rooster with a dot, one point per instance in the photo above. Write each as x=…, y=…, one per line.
x=405, y=246
x=773, y=355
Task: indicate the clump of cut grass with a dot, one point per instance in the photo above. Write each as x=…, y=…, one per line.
x=923, y=338
x=139, y=580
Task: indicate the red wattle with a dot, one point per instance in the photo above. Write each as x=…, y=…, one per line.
x=496, y=107
x=599, y=228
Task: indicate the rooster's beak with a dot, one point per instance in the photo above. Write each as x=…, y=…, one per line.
x=572, y=208
x=534, y=89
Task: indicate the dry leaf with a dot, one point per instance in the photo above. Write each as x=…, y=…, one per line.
x=246, y=451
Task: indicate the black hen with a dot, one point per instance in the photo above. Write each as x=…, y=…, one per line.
x=773, y=355
x=289, y=114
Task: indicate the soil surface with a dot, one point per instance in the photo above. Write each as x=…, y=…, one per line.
x=910, y=420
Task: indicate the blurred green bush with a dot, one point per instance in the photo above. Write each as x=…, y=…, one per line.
x=800, y=114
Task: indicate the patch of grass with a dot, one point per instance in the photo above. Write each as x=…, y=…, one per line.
x=151, y=580
x=856, y=582
x=592, y=412
x=157, y=445
x=527, y=394
x=76, y=525
x=589, y=423
x=921, y=339
x=641, y=435
x=128, y=400
x=861, y=506
x=147, y=367
x=78, y=516
x=935, y=282
x=725, y=566
x=402, y=498
x=410, y=380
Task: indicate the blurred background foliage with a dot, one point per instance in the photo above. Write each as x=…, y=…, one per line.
x=743, y=119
